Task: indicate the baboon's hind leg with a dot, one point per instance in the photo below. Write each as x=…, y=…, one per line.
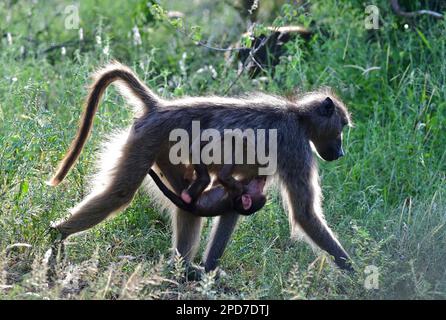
x=126, y=178
x=186, y=226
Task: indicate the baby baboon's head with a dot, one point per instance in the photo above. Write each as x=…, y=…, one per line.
x=253, y=198
x=325, y=116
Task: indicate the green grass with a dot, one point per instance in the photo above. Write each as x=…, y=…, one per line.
x=385, y=199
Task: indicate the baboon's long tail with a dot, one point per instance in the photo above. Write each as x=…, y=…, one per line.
x=170, y=194
x=132, y=88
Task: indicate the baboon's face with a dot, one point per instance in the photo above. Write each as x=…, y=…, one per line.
x=331, y=149
x=328, y=121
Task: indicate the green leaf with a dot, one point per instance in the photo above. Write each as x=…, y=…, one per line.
x=24, y=187
x=196, y=33
x=246, y=41
x=424, y=39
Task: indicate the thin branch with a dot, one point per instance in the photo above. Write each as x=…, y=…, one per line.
x=237, y=78
x=206, y=45
x=397, y=9
x=59, y=46
x=255, y=61
x=69, y=43
x=252, y=51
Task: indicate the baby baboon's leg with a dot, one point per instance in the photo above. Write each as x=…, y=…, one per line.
x=200, y=183
x=220, y=235
x=126, y=178
x=226, y=178
x=186, y=226
x=202, y=176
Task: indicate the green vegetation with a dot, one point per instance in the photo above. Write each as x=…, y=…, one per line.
x=386, y=199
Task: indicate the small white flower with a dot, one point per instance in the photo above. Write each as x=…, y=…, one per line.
x=63, y=51
x=136, y=36
x=9, y=38
x=98, y=40
x=81, y=34
x=106, y=49
x=14, y=79
x=210, y=69
x=214, y=73
x=182, y=63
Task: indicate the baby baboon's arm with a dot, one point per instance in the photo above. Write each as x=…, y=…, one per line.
x=201, y=182
x=228, y=181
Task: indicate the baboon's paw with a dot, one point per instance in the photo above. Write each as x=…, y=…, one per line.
x=194, y=273
x=55, y=236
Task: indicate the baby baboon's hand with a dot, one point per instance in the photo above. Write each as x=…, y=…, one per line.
x=186, y=197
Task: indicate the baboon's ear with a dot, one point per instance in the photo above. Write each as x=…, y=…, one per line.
x=327, y=107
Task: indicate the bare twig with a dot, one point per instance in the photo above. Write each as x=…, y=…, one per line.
x=252, y=52
x=208, y=46
x=397, y=9
x=237, y=78
x=254, y=59
x=205, y=45
x=59, y=46
x=239, y=74
x=69, y=43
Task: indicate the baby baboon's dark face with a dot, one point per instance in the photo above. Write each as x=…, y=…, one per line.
x=326, y=125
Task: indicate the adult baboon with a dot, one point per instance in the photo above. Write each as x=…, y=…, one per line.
x=317, y=117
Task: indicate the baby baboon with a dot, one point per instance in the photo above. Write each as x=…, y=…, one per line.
x=219, y=200
x=317, y=118
x=225, y=174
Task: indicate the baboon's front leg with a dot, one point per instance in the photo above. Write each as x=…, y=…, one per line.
x=186, y=234
x=305, y=211
x=321, y=234
x=125, y=179
x=220, y=235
